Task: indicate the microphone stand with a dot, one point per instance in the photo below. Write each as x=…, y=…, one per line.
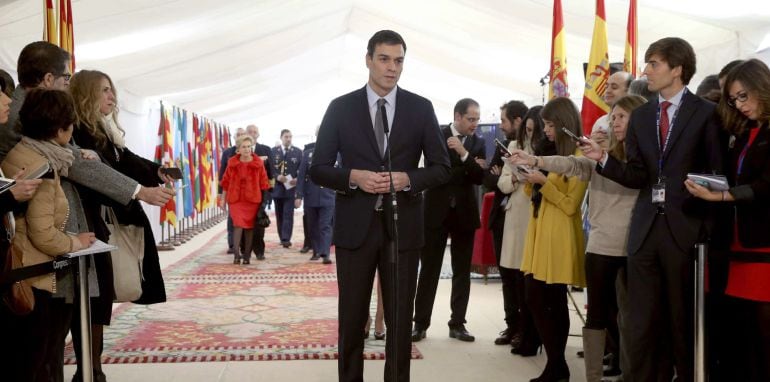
x=393, y=251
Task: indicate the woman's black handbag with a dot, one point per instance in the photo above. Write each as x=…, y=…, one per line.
x=262, y=219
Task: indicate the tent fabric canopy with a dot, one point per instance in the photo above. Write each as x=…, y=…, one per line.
x=279, y=63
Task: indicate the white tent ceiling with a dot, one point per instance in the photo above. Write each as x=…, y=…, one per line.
x=279, y=63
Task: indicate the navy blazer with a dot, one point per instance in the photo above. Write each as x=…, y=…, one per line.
x=459, y=190
x=312, y=194
x=694, y=146
x=285, y=164
x=347, y=129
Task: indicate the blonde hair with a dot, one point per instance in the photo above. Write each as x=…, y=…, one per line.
x=86, y=91
x=628, y=104
x=242, y=138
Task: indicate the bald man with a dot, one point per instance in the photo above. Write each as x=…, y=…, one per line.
x=617, y=88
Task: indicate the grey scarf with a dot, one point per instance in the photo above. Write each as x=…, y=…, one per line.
x=60, y=158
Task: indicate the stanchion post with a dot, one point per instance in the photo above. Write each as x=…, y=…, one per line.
x=86, y=363
x=700, y=304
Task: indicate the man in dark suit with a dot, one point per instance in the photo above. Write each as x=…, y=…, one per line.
x=263, y=152
x=452, y=210
x=670, y=136
x=353, y=126
x=319, y=208
x=285, y=160
x=511, y=116
x=226, y=155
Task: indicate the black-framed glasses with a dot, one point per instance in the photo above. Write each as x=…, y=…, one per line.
x=66, y=76
x=740, y=97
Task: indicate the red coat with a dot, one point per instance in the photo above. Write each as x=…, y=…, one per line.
x=244, y=181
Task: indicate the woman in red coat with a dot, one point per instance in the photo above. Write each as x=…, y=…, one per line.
x=243, y=184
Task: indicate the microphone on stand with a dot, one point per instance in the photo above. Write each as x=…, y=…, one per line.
x=392, y=248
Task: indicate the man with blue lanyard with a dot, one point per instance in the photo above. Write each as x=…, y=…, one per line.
x=673, y=135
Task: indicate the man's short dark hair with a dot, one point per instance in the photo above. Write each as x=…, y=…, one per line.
x=727, y=68
x=675, y=52
x=462, y=105
x=39, y=58
x=44, y=112
x=284, y=131
x=514, y=109
x=711, y=82
x=387, y=37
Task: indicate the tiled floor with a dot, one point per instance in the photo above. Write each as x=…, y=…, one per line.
x=446, y=360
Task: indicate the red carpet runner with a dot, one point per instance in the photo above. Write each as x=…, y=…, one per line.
x=283, y=308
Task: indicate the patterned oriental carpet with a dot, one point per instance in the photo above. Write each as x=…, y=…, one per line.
x=283, y=308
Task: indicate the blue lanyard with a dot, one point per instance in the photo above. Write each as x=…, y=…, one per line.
x=745, y=150
x=670, y=129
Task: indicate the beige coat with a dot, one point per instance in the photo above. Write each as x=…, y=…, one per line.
x=40, y=230
x=516, y=215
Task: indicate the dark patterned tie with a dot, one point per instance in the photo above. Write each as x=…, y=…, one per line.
x=379, y=128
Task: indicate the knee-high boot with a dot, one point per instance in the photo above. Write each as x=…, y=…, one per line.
x=593, y=347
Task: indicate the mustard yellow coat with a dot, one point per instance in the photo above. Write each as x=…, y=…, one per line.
x=554, y=245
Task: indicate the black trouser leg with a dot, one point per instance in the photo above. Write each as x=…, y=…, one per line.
x=229, y=231
x=510, y=304
x=529, y=337
x=431, y=257
x=461, y=251
x=308, y=243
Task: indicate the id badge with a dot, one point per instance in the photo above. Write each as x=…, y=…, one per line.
x=659, y=193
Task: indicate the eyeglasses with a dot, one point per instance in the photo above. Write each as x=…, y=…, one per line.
x=66, y=76
x=740, y=97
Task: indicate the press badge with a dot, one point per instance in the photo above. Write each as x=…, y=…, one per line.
x=659, y=192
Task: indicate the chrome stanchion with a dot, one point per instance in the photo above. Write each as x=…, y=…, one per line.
x=700, y=304
x=86, y=364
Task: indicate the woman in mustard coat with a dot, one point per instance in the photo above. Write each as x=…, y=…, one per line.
x=553, y=248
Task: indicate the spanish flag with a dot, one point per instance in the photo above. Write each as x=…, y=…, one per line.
x=558, y=74
x=50, y=31
x=629, y=58
x=66, y=33
x=597, y=73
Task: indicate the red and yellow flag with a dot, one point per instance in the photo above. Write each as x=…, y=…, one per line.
x=558, y=74
x=50, y=29
x=629, y=58
x=597, y=73
x=66, y=33
x=164, y=155
x=59, y=30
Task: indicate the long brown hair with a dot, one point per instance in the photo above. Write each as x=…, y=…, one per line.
x=628, y=103
x=754, y=76
x=563, y=113
x=86, y=90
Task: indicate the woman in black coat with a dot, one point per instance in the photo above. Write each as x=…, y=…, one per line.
x=98, y=130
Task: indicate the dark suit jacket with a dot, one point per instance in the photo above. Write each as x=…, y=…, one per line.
x=347, y=129
x=226, y=155
x=752, y=188
x=460, y=190
x=490, y=182
x=693, y=147
x=312, y=194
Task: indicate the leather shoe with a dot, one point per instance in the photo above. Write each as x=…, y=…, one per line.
x=261, y=256
x=230, y=251
x=505, y=337
x=327, y=260
x=314, y=257
x=286, y=244
x=305, y=250
x=418, y=334
x=461, y=334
